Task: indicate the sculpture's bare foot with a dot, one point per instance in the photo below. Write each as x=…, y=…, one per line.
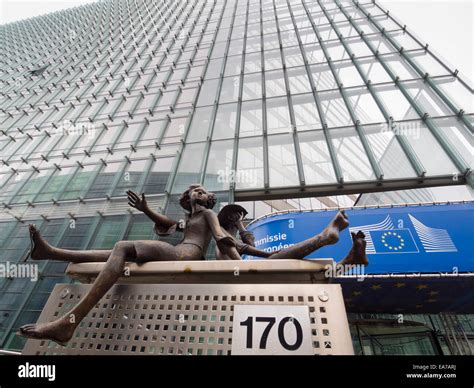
x=59, y=331
x=357, y=254
x=40, y=249
x=338, y=224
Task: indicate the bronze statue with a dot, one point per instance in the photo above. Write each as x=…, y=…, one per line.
x=200, y=226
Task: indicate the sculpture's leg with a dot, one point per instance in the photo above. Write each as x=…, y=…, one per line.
x=42, y=250
x=357, y=253
x=62, y=329
x=330, y=235
x=252, y=251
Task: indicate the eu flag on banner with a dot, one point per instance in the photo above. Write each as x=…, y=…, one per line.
x=393, y=241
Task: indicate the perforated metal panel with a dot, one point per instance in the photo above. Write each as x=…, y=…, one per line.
x=187, y=318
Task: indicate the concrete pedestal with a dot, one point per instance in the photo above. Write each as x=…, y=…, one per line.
x=193, y=313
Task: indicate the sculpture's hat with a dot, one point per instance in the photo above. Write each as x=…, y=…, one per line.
x=226, y=214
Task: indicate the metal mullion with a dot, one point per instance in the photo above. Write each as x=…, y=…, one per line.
x=266, y=166
x=46, y=135
x=85, y=106
x=175, y=61
x=141, y=130
x=66, y=182
x=64, y=111
x=332, y=153
x=207, y=147
x=45, y=183
x=153, y=105
x=296, y=143
x=21, y=187
x=147, y=170
x=118, y=175
x=12, y=154
x=96, y=173
x=359, y=128
x=436, y=132
x=138, y=100
x=424, y=75
x=99, y=107
x=5, y=204
x=177, y=161
x=424, y=47
x=114, y=142
x=407, y=148
x=235, y=153
x=92, y=230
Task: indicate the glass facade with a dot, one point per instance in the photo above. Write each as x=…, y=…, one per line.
x=259, y=100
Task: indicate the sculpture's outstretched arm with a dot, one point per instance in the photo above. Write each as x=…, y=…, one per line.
x=139, y=202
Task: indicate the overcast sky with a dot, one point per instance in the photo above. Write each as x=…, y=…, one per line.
x=445, y=24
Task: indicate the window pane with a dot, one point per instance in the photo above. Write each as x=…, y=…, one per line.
x=348, y=74
x=130, y=178
x=79, y=183
x=251, y=122
x=229, y=90
x=105, y=179
x=428, y=150
x=273, y=60
x=298, y=80
x=253, y=63
x=108, y=233
x=395, y=102
x=293, y=56
x=426, y=99
x=334, y=109
x=459, y=137
x=306, y=113
x=252, y=87
x=314, y=53
x=200, y=124
x=208, y=92
x=275, y=83
x=388, y=152
x=190, y=167
x=322, y=77
x=282, y=161
x=364, y=106
x=250, y=163
x=233, y=65
x=457, y=93
x=226, y=118
x=374, y=71
x=158, y=176
x=317, y=165
x=219, y=165
x=278, y=116
x=351, y=155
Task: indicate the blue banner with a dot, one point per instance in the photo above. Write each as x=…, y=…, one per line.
x=432, y=238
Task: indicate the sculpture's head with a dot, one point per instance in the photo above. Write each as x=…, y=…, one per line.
x=196, y=194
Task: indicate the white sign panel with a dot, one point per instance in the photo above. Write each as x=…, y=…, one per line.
x=271, y=330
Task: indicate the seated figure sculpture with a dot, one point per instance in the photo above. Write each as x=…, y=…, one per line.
x=200, y=226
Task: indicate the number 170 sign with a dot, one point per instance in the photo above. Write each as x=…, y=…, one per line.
x=271, y=330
